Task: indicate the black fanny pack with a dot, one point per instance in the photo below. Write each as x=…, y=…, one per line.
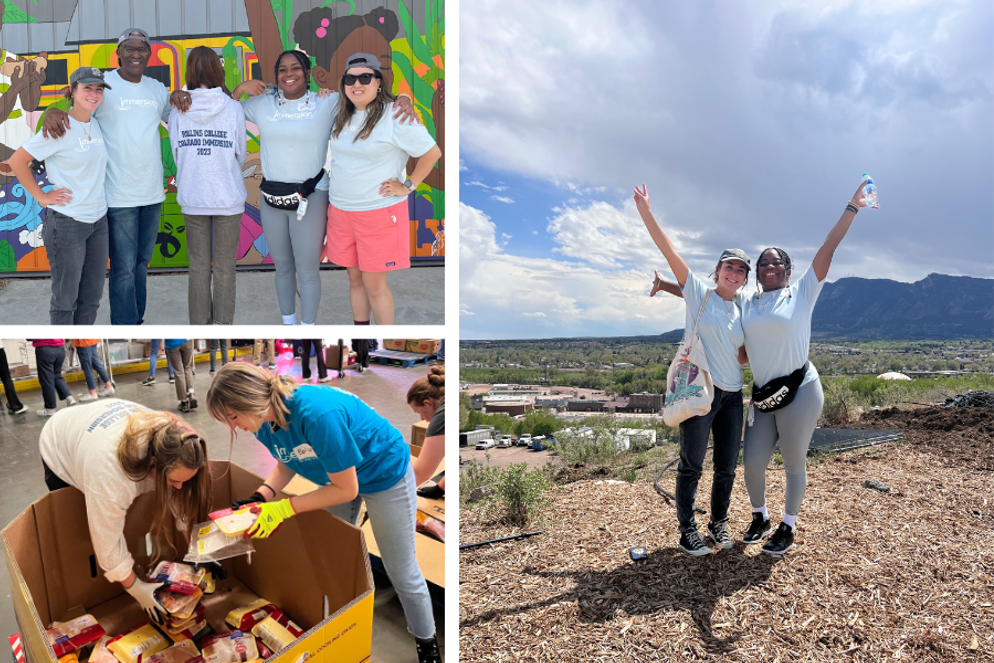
x=287, y=195
x=779, y=392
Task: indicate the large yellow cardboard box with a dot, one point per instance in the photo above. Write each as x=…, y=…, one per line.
x=315, y=568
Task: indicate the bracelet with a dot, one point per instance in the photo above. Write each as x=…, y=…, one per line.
x=404, y=94
x=852, y=208
x=266, y=485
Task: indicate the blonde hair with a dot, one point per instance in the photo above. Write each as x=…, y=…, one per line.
x=429, y=389
x=162, y=442
x=248, y=389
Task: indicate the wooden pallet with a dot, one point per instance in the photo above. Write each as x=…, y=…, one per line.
x=405, y=359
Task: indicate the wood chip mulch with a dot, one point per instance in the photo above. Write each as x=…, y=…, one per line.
x=904, y=575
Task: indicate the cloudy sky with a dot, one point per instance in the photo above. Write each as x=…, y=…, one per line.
x=750, y=123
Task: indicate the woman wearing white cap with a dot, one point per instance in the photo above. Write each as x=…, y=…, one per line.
x=369, y=226
x=720, y=330
x=75, y=228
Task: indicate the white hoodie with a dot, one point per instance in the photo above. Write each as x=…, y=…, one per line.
x=208, y=144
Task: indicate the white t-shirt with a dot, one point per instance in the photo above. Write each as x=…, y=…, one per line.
x=720, y=330
x=358, y=167
x=78, y=162
x=777, y=328
x=293, y=136
x=79, y=444
x=129, y=116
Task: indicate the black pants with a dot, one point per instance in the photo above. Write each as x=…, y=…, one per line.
x=13, y=403
x=52, y=480
x=50, y=359
x=305, y=358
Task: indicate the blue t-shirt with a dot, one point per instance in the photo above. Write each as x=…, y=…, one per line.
x=77, y=162
x=172, y=343
x=329, y=431
x=358, y=167
x=777, y=328
x=720, y=330
x=293, y=136
x=130, y=116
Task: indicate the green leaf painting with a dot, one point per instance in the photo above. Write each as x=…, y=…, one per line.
x=7, y=261
x=14, y=14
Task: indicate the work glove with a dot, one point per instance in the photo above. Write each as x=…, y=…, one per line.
x=254, y=498
x=215, y=568
x=144, y=593
x=271, y=516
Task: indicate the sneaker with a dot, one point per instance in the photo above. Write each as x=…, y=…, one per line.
x=149, y=381
x=781, y=541
x=719, y=533
x=326, y=378
x=47, y=412
x=172, y=379
x=107, y=391
x=184, y=406
x=692, y=543
x=213, y=373
x=70, y=401
x=428, y=650
x=272, y=366
x=86, y=398
x=758, y=530
x=193, y=401
x=24, y=408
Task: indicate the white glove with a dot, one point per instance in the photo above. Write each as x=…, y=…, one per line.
x=144, y=593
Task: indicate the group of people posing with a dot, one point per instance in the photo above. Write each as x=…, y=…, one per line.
x=332, y=165
x=770, y=330
x=115, y=450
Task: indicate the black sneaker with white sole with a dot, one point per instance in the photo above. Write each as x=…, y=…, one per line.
x=758, y=530
x=719, y=534
x=781, y=541
x=149, y=381
x=692, y=543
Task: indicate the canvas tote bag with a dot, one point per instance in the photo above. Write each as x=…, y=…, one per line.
x=689, y=390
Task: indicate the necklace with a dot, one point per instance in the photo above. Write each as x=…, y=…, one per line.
x=83, y=126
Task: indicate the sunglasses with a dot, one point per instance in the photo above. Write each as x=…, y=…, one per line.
x=365, y=79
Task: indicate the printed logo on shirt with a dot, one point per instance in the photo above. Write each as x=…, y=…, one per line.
x=277, y=116
x=84, y=144
x=288, y=456
x=126, y=104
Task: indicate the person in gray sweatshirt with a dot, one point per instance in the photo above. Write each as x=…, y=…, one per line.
x=208, y=144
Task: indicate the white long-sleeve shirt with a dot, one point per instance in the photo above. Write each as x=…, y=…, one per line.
x=79, y=444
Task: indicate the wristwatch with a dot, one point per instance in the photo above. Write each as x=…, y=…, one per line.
x=409, y=184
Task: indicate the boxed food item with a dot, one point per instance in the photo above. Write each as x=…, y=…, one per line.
x=181, y=652
x=101, y=654
x=136, y=644
x=395, y=344
x=69, y=636
x=230, y=647
x=180, y=606
x=181, y=578
x=277, y=631
x=423, y=346
x=176, y=625
x=234, y=523
x=210, y=544
x=247, y=616
x=315, y=560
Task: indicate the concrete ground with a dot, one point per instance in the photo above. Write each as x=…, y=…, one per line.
x=383, y=387
x=419, y=299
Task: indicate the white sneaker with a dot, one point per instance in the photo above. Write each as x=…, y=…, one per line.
x=47, y=412
x=108, y=391
x=70, y=401
x=86, y=398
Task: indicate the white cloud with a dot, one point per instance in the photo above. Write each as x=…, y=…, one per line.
x=538, y=314
x=32, y=237
x=480, y=184
x=502, y=199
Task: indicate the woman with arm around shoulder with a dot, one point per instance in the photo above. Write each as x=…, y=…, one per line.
x=721, y=334
x=113, y=451
x=427, y=398
x=777, y=324
x=335, y=440
x=368, y=221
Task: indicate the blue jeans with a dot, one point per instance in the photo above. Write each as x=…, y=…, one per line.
x=48, y=360
x=133, y=231
x=89, y=361
x=725, y=421
x=392, y=515
x=154, y=359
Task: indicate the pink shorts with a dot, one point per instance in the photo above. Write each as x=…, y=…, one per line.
x=377, y=240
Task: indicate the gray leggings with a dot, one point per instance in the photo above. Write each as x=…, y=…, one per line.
x=792, y=426
x=296, y=248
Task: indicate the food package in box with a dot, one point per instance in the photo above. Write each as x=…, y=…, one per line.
x=230, y=647
x=180, y=578
x=71, y=657
x=137, y=644
x=277, y=631
x=234, y=523
x=100, y=653
x=69, y=636
x=247, y=616
x=176, y=625
x=423, y=347
x=180, y=606
x=181, y=652
x=212, y=545
x=395, y=344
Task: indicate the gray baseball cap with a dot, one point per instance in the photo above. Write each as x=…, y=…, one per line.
x=363, y=60
x=134, y=33
x=735, y=254
x=88, y=76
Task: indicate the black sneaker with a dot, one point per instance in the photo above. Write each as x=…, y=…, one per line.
x=172, y=379
x=149, y=381
x=781, y=541
x=719, y=533
x=193, y=401
x=184, y=406
x=428, y=650
x=692, y=543
x=758, y=530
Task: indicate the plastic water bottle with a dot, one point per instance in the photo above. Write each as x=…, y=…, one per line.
x=870, y=192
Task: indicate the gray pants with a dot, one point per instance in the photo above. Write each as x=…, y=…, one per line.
x=793, y=427
x=181, y=358
x=392, y=515
x=296, y=248
x=213, y=347
x=212, y=241
x=77, y=258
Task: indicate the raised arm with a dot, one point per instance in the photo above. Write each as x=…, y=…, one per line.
x=677, y=264
x=670, y=287
x=823, y=259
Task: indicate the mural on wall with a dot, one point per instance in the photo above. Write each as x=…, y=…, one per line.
x=34, y=75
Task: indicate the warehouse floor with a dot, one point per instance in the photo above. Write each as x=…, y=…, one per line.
x=383, y=387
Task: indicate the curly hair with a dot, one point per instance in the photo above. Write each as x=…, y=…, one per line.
x=319, y=34
x=784, y=258
x=305, y=64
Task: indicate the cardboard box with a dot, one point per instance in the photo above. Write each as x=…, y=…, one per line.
x=315, y=558
x=395, y=344
x=418, y=431
x=136, y=350
x=19, y=370
x=424, y=347
x=335, y=360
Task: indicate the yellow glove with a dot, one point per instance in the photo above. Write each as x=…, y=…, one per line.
x=271, y=516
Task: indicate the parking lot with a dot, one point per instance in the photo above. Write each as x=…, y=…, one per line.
x=503, y=457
